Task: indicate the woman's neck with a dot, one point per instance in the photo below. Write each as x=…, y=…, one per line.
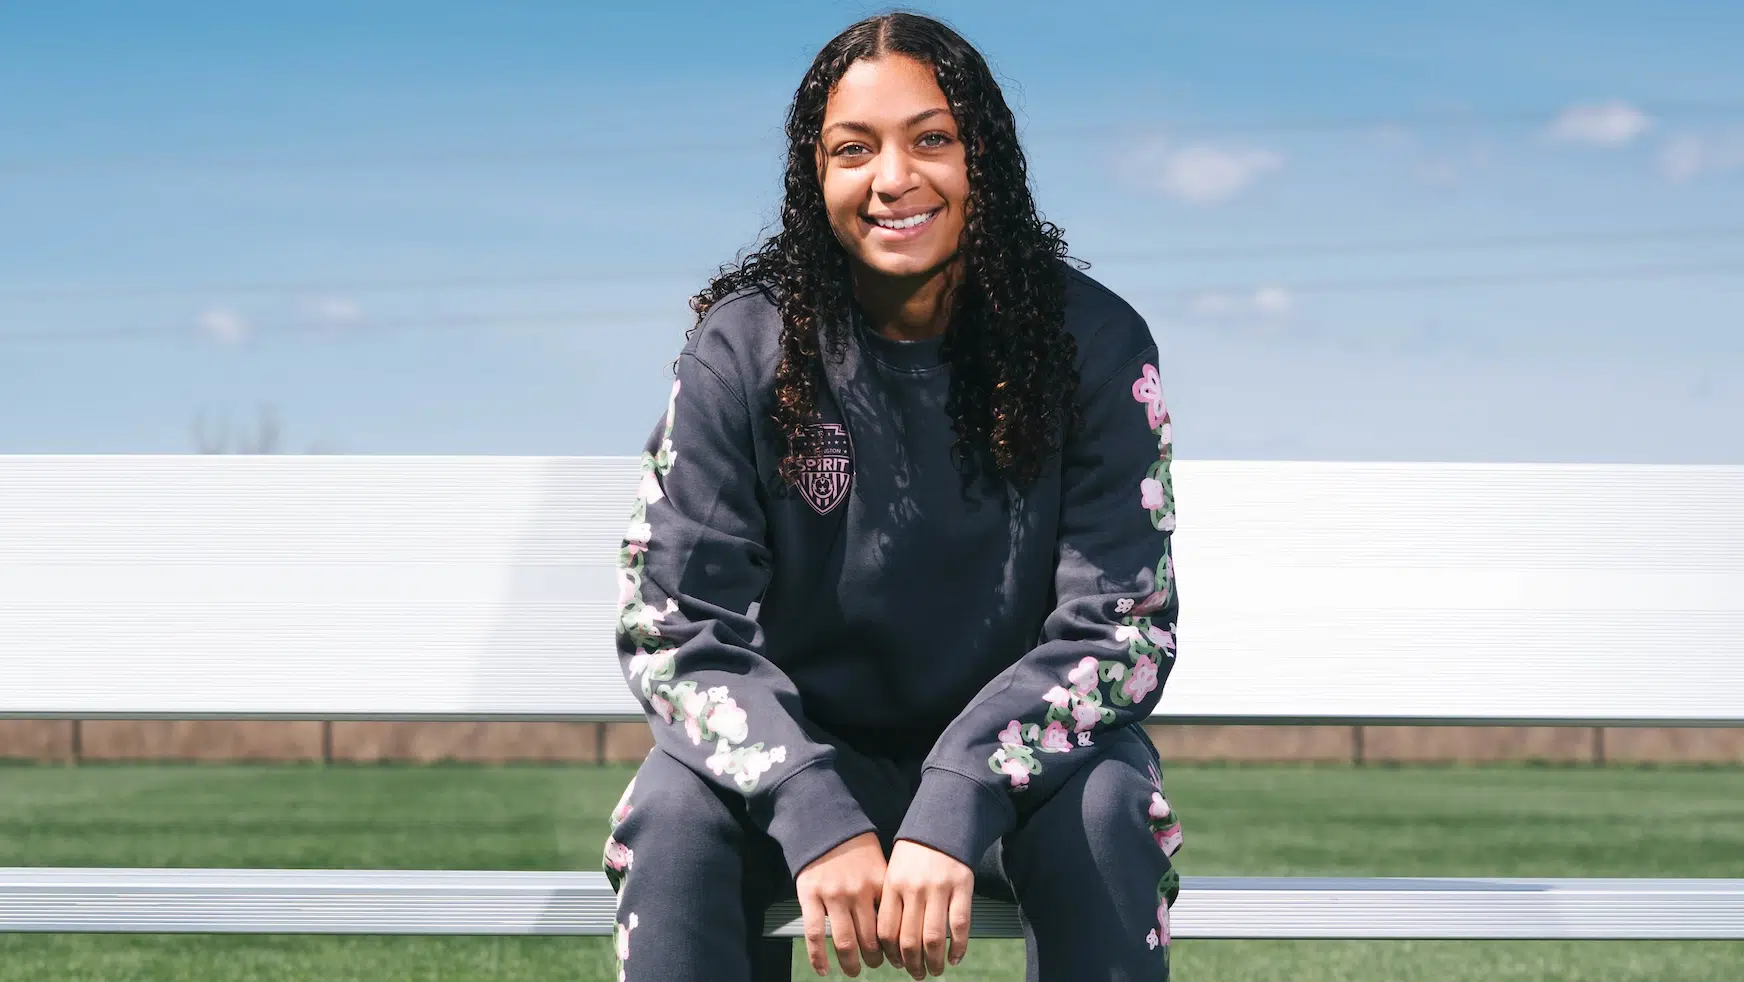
x=908, y=308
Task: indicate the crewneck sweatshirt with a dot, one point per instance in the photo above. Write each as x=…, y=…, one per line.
x=888, y=602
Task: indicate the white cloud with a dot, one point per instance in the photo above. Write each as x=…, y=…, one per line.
x=1215, y=304
x=1207, y=175
x=334, y=310
x=1685, y=158
x=1601, y=124
x=1272, y=303
x=1200, y=173
x=223, y=325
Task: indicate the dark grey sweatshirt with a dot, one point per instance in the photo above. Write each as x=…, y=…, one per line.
x=885, y=605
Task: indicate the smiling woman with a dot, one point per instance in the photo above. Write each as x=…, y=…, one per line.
x=894, y=178
x=897, y=591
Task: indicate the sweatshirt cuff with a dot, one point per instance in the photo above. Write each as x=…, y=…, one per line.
x=957, y=815
x=812, y=812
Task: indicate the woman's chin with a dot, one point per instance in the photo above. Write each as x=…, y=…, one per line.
x=901, y=264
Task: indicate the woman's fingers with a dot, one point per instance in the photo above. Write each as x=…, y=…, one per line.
x=961, y=899
x=842, y=935
x=811, y=911
x=913, y=926
x=890, y=925
x=934, y=926
x=866, y=930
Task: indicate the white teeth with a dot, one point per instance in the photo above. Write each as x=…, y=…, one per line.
x=909, y=222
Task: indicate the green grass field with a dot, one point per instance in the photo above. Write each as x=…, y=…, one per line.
x=1505, y=821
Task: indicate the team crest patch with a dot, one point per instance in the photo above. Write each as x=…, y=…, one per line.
x=828, y=467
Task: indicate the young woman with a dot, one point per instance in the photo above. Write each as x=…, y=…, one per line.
x=897, y=592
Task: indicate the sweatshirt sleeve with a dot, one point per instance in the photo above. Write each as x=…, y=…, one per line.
x=1106, y=648
x=693, y=562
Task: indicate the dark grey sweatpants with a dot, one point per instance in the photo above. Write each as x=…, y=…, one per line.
x=1089, y=868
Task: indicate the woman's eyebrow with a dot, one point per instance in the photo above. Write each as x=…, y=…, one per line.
x=910, y=121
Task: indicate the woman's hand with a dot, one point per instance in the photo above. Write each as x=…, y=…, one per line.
x=925, y=892
x=843, y=885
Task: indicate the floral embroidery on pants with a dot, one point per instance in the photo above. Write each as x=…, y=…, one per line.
x=621, y=942
x=1165, y=828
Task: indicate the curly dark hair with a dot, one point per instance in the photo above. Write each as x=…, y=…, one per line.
x=1013, y=366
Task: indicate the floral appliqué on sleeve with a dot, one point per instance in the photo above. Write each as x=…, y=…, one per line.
x=710, y=715
x=1156, y=491
x=1077, y=706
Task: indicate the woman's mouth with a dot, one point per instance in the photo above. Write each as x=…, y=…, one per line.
x=899, y=229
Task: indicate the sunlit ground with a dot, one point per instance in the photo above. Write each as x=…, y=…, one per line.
x=1505, y=821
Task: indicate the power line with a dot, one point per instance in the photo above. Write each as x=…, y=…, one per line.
x=587, y=318
x=194, y=332
x=1417, y=120
x=437, y=282
x=1397, y=246
x=774, y=141
x=1437, y=281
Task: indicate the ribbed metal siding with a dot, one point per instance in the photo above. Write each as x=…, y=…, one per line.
x=482, y=587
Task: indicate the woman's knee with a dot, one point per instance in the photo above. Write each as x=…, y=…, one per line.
x=1112, y=815
x=669, y=812
x=1113, y=803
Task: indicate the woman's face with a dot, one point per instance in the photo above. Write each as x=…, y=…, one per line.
x=889, y=155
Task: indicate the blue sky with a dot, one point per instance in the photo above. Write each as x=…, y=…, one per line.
x=1473, y=231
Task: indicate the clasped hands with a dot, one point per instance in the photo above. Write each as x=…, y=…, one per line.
x=900, y=911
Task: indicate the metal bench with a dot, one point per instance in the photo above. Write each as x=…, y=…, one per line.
x=481, y=588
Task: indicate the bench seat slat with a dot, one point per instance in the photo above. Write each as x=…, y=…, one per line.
x=437, y=902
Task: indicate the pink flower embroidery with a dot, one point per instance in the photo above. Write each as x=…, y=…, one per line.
x=662, y=707
x=692, y=730
x=1169, y=839
x=1150, y=493
x=618, y=855
x=1057, y=697
x=1149, y=390
x=1012, y=735
x=622, y=811
x=1054, y=739
x=1159, y=805
x=726, y=719
x=1083, y=678
x=1086, y=716
x=1142, y=680
x=1017, y=770
x=1083, y=739
x=623, y=938
x=1163, y=924
x=649, y=490
x=626, y=587
x=1160, y=637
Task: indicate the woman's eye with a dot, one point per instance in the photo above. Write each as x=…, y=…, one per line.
x=944, y=138
x=844, y=149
